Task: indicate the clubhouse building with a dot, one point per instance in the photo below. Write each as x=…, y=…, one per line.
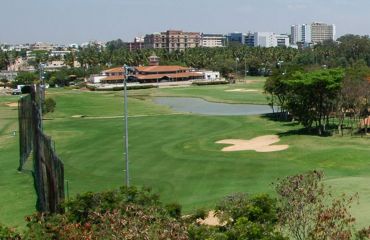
x=154, y=73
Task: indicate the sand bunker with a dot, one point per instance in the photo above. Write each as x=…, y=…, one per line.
x=258, y=144
x=78, y=116
x=211, y=220
x=241, y=90
x=13, y=104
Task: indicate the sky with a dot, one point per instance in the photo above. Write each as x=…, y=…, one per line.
x=78, y=21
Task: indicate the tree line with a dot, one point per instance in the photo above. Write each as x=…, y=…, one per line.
x=345, y=52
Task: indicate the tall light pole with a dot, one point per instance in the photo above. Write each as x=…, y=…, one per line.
x=125, y=72
x=41, y=92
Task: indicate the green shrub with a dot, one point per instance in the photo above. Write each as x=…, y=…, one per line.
x=200, y=214
x=174, y=210
x=204, y=83
x=49, y=105
x=91, y=88
x=135, y=87
x=8, y=233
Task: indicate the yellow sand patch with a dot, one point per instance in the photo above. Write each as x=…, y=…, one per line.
x=258, y=144
x=12, y=104
x=241, y=90
x=211, y=220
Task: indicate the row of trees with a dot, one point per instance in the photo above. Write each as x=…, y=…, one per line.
x=304, y=210
x=240, y=58
x=348, y=50
x=314, y=96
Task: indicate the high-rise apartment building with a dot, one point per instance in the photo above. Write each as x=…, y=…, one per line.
x=321, y=32
x=295, y=34
x=300, y=33
x=312, y=33
x=172, y=40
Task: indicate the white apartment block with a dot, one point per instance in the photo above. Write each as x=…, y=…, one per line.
x=282, y=40
x=265, y=39
x=213, y=40
x=270, y=39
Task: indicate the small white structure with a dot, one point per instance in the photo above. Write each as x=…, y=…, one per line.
x=54, y=65
x=96, y=78
x=210, y=75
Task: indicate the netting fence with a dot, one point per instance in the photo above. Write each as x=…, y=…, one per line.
x=25, y=129
x=48, y=169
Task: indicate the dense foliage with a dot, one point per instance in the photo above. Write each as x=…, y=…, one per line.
x=308, y=210
x=121, y=214
x=312, y=97
x=304, y=209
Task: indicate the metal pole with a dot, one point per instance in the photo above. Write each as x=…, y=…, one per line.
x=127, y=180
x=67, y=190
x=41, y=94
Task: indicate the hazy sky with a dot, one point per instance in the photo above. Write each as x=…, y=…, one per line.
x=77, y=21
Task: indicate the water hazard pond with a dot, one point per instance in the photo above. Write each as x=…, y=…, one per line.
x=200, y=106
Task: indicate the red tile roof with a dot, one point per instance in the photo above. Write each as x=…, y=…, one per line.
x=172, y=75
x=113, y=78
x=115, y=70
x=158, y=69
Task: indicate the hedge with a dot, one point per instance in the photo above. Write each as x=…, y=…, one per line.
x=134, y=87
x=210, y=83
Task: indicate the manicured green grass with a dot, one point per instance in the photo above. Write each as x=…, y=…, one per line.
x=221, y=93
x=17, y=197
x=176, y=155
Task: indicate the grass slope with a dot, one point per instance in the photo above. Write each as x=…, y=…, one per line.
x=176, y=155
x=17, y=197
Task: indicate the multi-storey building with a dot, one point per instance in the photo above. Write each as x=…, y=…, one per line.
x=213, y=40
x=172, y=40
x=260, y=39
x=295, y=34
x=236, y=37
x=282, y=40
x=137, y=44
x=321, y=32
x=306, y=33
x=312, y=33
x=249, y=39
x=41, y=46
x=265, y=39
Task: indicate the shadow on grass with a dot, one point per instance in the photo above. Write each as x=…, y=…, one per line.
x=287, y=122
x=305, y=132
